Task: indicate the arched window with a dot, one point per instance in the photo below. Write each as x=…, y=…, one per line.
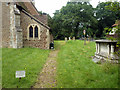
x=31, y=32
x=36, y=31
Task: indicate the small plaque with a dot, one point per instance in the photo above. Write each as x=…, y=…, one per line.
x=20, y=74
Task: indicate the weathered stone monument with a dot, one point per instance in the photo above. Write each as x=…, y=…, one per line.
x=105, y=50
x=65, y=39
x=69, y=38
x=73, y=38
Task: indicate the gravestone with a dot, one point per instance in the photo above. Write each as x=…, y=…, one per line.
x=65, y=39
x=69, y=38
x=105, y=50
x=73, y=38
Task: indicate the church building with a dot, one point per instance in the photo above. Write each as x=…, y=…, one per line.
x=24, y=26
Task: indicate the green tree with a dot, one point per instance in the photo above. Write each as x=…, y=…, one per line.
x=73, y=18
x=68, y=20
x=115, y=7
x=106, y=17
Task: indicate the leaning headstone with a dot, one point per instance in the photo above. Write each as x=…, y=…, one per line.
x=69, y=38
x=65, y=39
x=73, y=38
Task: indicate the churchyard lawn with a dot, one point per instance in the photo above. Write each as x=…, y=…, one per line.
x=29, y=59
x=77, y=70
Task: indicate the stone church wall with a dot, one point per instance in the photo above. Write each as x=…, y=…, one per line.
x=5, y=25
x=42, y=42
x=18, y=30
x=11, y=30
x=15, y=29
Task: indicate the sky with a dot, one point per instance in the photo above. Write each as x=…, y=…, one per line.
x=49, y=6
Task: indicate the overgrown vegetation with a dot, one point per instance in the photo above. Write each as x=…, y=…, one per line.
x=77, y=70
x=29, y=59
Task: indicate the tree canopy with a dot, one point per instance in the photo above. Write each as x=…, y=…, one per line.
x=75, y=17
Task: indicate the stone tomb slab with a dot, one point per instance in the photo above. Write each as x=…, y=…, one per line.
x=105, y=49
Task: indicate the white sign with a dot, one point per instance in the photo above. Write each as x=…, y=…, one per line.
x=20, y=74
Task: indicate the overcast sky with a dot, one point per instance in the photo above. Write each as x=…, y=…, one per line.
x=49, y=6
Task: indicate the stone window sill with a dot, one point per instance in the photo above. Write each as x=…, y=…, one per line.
x=33, y=39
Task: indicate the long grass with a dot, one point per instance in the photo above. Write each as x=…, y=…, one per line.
x=29, y=59
x=77, y=70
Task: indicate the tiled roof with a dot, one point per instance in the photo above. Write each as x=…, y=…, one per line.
x=35, y=19
x=42, y=18
x=30, y=8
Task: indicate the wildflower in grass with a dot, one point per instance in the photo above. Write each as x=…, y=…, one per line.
x=89, y=47
x=75, y=81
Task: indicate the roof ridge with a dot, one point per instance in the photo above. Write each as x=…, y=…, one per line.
x=36, y=19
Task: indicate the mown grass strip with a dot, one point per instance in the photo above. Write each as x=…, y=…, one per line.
x=29, y=59
x=77, y=70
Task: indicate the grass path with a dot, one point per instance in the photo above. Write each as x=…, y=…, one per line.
x=47, y=78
